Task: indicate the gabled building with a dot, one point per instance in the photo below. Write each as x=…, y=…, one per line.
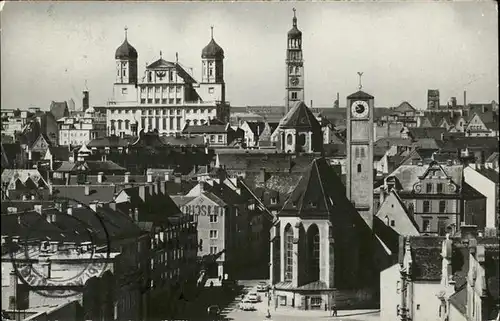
x=214, y=133
x=299, y=131
x=317, y=224
x=394, y=213
x=436, y=195
x=252, y=132
x=482, y=124
x=486, y=181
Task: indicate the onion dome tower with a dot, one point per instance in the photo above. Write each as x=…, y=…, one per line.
x=126, y=63
x=212, y=57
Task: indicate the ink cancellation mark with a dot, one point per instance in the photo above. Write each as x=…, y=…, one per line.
x=43, y=264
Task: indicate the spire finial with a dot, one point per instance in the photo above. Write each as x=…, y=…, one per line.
x=126, y=28
x=294, y=18
x=212, y=32
x=176, y=57
x=360, y=74
x=294, y=12
x=160, y=54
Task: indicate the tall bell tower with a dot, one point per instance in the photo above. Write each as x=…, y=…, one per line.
x=294, y=66
x=359, y=180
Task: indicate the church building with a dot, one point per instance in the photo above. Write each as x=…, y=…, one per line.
x=167, y=97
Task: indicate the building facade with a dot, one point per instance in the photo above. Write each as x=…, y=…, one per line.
x=167, y=97
x=294, y=66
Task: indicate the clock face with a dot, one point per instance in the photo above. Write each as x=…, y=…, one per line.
x=294, y=81
x=359, y=109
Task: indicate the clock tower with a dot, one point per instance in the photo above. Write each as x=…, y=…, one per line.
x=359, y=179
x=294, y=66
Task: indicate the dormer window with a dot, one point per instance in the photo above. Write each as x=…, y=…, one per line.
x=274, y=201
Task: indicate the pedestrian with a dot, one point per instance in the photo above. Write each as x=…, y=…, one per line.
x=334, y=310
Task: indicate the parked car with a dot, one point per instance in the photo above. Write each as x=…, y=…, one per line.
x=246, y=305
x=262, y=287
x=213, y=311
x=253, y=297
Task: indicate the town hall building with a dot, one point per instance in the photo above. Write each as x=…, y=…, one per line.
x=167, y=97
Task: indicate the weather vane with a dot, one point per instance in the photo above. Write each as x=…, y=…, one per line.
x=360, y=74
x=126, y=28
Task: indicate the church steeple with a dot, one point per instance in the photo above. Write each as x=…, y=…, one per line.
x=294, y=66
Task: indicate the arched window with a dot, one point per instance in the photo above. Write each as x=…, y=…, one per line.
x=359, y=168
x=288, y=253
x=313, y=244
x=289, y=139
x=297, y=71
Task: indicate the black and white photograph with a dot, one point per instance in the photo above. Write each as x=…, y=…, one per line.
x=250, y=160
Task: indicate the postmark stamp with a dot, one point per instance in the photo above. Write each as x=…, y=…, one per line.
x=74, y=250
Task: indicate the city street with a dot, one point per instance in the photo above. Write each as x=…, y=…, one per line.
x=229, y=301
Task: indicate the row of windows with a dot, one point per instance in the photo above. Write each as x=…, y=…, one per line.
x=156, y=123
x=170, y=89
x=442, y=225
x=161, y=101
x=427, y=207
x=429, y=188
x=165, y=111
x=118, y=124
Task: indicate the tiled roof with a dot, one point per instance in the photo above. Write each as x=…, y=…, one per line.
x=9, y=175
x=92, y=166
x=109, y=141
x=183, y=141
x=459, y=300
x=408, y=174
x=317, y=192
x=493, y=158
x=360, y=94
x=471, y=142
x=161, y=64
x=427, y=132
x=59, y=153
x=59, y=109
x=181, y=200
x=393, y=141
x=256, y=127
x=489, y=173
x=99, y=193
x=32, y=225
x=404, y=107
x=300, y=116
x=426, y=257
x=314, y=286
x=206, y=129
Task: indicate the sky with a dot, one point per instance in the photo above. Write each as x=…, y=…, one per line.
x=49, y=50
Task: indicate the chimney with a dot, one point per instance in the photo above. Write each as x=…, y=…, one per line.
x=69, y=211
x=87, y=189
x=465, y=98
x=24, y=197
x=99, y=177
x=142, y=192
x=178, y=179
x=122, y=134
x=454, y=102
x=149, y=176
x=85, y=101
x=167, y=176
x=38, y=208
x=311, y=104
x=382, y=196
x=238, y=191
x=46, y=268
x=32, y=197
x=262, y=175
x=12, y=210
x=127, y=177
